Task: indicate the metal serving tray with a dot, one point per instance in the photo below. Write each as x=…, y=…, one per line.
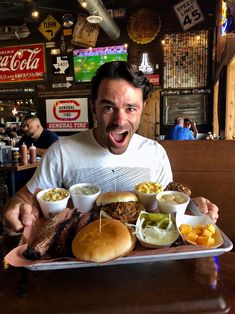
x=141, y=255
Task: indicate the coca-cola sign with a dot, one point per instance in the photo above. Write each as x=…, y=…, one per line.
x=22, y=63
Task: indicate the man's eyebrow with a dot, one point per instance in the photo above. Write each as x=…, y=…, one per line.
x=106, y=101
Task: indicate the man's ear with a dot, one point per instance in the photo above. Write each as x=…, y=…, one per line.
x=92, y=108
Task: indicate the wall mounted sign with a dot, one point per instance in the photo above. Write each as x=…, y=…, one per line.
x=49, y=27
x=188, y=13
x=143, y=26
x=85, y=34
x=61, y=85
x=154, y=79
x=22, y=63
x=60, y=65
x=67, y=114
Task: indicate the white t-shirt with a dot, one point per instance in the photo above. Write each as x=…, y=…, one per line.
x=79, y=158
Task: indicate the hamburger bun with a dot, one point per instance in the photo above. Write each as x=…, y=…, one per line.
x=95, y=244
x=120, y=205
x=116, y=197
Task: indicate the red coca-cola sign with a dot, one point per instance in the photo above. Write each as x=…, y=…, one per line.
x=22, y=63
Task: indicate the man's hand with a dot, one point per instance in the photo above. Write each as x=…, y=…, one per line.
x=207, y=208
x=20, y=211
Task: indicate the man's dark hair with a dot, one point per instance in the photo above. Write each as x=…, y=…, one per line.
x=120, y=70
x=187, y=121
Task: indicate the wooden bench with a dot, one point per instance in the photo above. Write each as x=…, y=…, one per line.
x=208, y=169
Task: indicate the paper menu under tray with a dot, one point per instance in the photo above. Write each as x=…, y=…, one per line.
x=139, y=255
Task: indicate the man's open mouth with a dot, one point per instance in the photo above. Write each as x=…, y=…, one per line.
x=118, y=137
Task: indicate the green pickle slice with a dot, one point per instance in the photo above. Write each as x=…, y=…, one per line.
x=156, y=219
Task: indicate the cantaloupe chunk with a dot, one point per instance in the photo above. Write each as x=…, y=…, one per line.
x=211, y=228
x=192, y=237
x=207, y=233
x=185, y=229
x=205, y=241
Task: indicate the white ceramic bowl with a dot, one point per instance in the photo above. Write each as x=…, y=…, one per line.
x=199, y=220
x=83, y=201
x=172, y=202
x=51, y=207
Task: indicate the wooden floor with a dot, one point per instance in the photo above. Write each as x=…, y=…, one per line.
x=208, y=169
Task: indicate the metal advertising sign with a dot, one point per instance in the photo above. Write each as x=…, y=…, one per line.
x=188, y=13
x=60, y=65
x=67, y=114
x=49, y=27
x=22, y=63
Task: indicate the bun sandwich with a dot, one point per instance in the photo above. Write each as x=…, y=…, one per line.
x=103, y=240
x=120, y=205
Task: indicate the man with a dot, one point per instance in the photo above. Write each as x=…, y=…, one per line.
x=111, y=155
x=41, y=138
x=179, y=132
x=35, y=134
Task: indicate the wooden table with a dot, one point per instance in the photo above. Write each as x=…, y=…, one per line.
x=15, y=167
x=203, y=285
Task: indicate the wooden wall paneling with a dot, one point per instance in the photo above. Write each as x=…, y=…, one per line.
x=150, y=115
x=215, y=109
x=230, y=101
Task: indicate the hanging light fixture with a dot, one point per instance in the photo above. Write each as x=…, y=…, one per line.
x=94, y=19
x=96, y=8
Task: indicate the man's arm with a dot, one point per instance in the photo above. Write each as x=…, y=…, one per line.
x=40, y=151
x=195, y=130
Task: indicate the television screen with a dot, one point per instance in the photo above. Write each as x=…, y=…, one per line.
x=87, y=61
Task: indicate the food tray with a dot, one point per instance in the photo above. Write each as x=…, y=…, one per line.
x=139, y=255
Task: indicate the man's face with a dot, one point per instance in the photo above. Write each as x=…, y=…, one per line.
x=30, y=127
x=118, y=110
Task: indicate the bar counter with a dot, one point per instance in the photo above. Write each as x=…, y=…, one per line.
x=202, y=285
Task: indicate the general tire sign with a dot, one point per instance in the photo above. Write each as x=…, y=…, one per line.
x=67, y=114
x=188, y=13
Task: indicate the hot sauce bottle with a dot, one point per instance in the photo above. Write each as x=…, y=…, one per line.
x=24, y=155
x=32, y=154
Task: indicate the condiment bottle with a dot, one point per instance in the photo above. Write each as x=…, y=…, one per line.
x=32, y=154
x=24, y=155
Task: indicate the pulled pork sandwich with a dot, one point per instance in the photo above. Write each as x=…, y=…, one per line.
x=174, y=186
x=103, y=240
x=119, y=205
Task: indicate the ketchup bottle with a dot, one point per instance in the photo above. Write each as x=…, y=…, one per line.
x=32, y=154
x=24, y=155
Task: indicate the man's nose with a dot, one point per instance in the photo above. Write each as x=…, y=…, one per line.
x=119, y=117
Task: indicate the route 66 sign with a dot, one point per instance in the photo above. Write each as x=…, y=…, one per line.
x=188, y=13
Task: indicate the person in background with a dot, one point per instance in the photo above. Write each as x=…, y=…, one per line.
x=111, y=149
x=41, y=138
x=179, y=132
x=191, y=126
x=35, y=134
x=2, y=131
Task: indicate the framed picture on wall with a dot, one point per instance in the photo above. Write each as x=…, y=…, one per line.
x=67, y=114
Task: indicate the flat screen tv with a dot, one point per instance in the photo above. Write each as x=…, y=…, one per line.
x=87, y=61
